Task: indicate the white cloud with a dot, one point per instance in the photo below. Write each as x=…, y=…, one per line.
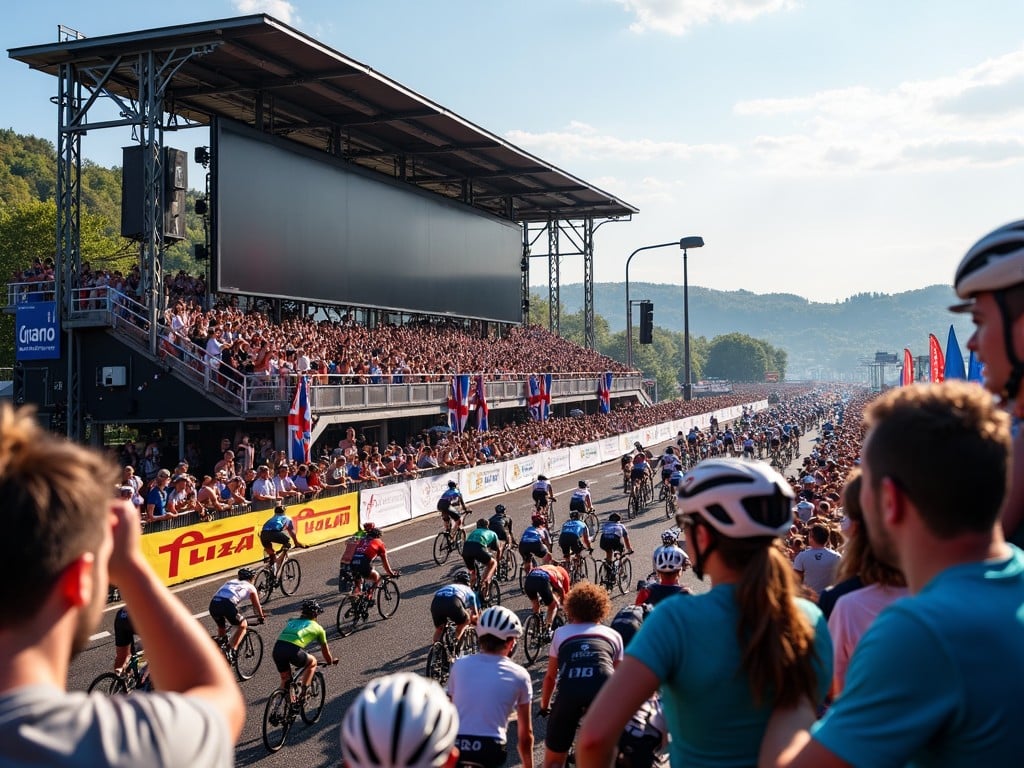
x=279, y=9
x=675, y=17
x=581, y=141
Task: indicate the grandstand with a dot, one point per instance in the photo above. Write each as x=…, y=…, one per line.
x=350, y=219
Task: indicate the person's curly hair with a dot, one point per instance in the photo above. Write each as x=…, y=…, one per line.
x=587, y=603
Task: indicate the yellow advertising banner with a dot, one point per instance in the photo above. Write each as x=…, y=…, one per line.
x=205, y=548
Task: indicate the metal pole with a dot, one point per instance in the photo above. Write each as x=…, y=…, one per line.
x=629, y=308
x=686, y=331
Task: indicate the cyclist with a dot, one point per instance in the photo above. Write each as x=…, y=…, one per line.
x=124, y=639
x=224, y=607
x=290, y=648
x=501, y=526
x=548, y=584
x=583, y=655
x=574, y=537
x=669, y=463
x=675, y=479
x=753, y=631
x=279, y=529
x=748, y=447
x=543, y=494
x=670, y=538
x=452, y=497
x=580, y=500
x=669, y=563
x=367, y=550
x=400, y=721
x=456, y=601
x=614, y=537
x=480, y=542
x=535, y=541
x=627, y=464
x=486, y=688
x=639, y=470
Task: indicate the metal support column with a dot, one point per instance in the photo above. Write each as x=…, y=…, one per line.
x=150, y=108
x=554, y=263
x=589, y=340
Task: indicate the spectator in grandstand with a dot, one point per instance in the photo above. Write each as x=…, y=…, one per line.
x=156, y=497
x=263, y=488
x=72, y=538
x=967, y=587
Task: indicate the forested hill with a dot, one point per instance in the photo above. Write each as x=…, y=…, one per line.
x=833, y=337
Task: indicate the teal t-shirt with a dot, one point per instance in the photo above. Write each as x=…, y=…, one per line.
x=936, y=679
x=484, y=536
x=302, y=632
x=690, y=644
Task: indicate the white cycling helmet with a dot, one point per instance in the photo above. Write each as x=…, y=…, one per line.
x=669, y=559
x=669, y=537
x=499, y=622
x=399, y=721
x=739, y=499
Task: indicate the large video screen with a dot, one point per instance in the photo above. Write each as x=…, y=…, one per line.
x=293, y=223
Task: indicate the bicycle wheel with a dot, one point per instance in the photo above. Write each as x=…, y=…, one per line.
x=625, y=575
x=349, y=617
x=249, y=655
x=108, y=683
x=551, y=514
x=291, y=577
x=264, y=583
x=313, y=705
x=388, y=598
x=604, y=576
x=460, y=540
x=441, y=548
x=276, y=721
x=508, y=566
x=633, y=507
x=437, y=664
x=581, y=568
x=593, y=524
x=670, y=506
x=533, y=638
x=470, y=642
x=493, y=596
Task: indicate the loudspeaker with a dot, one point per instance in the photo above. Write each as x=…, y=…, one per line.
x=175, y=183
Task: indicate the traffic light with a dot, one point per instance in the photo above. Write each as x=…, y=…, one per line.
x=646, y=321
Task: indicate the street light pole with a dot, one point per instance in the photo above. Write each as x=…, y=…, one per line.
x=629, y=307
x=685, y=243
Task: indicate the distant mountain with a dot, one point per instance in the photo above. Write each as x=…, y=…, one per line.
x=821, y=339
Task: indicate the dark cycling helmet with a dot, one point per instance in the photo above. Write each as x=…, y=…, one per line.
x=995, y=263
x=614, y=517
x=483, y=522
x=582, y=483
x=574, y=514
x=500, y=509
x=638, y=446
x=374, y=533
x=452, y=484
x=669, y=537
x=311, y=608
x=461, y=576
x=538, y=520
x=541, y=477
x=246, y=574
x=368, y=527
x=671, y=451
x=739, y=499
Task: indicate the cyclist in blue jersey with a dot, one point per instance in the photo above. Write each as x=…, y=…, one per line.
x=456, y=601
x=675, y=479
x=535, y=542
x=614, y=537
x=448, y=503
x=574, y=537
x=279, y=529
x=290, y=648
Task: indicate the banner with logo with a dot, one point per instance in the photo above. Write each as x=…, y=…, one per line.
x=386, y=505
x=586, y=455
x=523, y=471
x=425, y=491
x=482, y=481
x=609, y=447
x=327, y=519
x=663, y=432
x=205, y=548
x=37, y=331
x=557, y=462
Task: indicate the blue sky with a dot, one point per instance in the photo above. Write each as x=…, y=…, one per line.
x=820, y=147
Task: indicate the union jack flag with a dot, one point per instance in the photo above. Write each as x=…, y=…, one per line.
x=458, y=403
x=545, y=397
x=482, y=410
x=604, y=392
x=300, y=423
x=538, y=398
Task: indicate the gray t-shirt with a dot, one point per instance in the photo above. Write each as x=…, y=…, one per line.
x=818, y=567
x=43, y=725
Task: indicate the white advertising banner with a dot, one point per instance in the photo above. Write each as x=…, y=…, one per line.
x=523, y=471
x=384, y=506
x=425, y=491
x=557, y=462
x=586, y=455
x=610, y=448
x=663, y=432
x=482, y=481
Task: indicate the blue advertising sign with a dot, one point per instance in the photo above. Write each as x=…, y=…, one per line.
x=37, y=332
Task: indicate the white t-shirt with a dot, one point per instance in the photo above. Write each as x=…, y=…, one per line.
x=43, y=725
x=818, y=567
x=236, y=591
x=486, y=689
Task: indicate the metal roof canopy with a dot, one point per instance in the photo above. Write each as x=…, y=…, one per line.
x=268, y=75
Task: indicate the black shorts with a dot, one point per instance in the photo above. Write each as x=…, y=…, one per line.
x=567, y=709
x=540, y=498
x=484, y=751
x=448, y=512
x=612, y=544
x=499, y=530
x=538, y=588
x=223, y=611
x=124, y=632
x=474, y=552
x=577, y=505
x=637, y=474
x=287, y=655
x=269, y=538
x=362, y=566
x=665, y=474
x=445, y=607
x=535, y=548
x=570, y=543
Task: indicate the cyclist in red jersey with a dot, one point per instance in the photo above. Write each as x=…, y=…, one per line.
x=368, y=550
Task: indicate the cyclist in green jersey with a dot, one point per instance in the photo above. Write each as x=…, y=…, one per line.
x=289, y=650
x=480, y=542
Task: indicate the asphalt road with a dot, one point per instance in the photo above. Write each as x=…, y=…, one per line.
x=399, y=643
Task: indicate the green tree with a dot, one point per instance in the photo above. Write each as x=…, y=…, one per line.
x=737, y=357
